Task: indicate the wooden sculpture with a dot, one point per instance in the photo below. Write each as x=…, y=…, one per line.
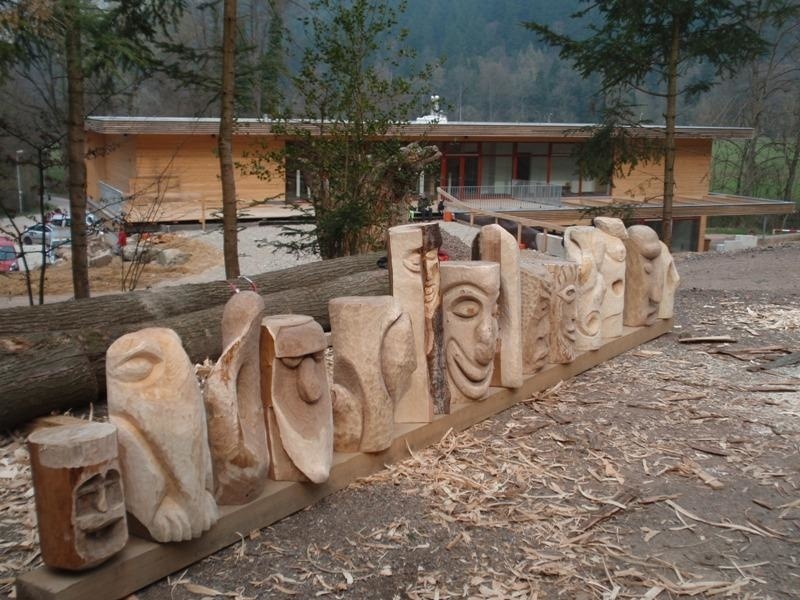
x=536, y=287
x=374, y=356
x=498, y=245
x=237, y=434
x=407, y=276
x=80, y=506
x=563, y=311
x=470, y=291
x=671, y=281
x=585, y=246
x=154, y=400
x=644, y=285
x=613, y=271
x=296, y=398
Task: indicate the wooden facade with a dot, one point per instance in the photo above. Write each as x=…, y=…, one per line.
x=167, y=168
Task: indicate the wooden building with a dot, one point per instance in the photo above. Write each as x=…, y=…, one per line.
x=167, y=170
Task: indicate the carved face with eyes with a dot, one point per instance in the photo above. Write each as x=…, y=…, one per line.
x=299, y=358
x=99, y=510
x=537, y=290
x=645, y=276
x=149, y=357
x=469, y=302
x=564, y=313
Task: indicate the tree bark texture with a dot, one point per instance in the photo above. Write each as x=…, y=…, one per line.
x=42, y=372
x=142, y=306
x=669, y=138
x=76, y=144
x=226, y=168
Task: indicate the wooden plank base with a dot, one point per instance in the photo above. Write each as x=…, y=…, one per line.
x=144, y=562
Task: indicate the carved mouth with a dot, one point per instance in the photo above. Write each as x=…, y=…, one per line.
x=471, y=378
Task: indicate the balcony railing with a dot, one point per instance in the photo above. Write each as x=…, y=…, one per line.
x=517, y=195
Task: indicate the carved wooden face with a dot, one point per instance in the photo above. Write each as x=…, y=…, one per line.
x=645, y=275
x=147, y=361
x=564, y=310
x=469, y=304
x=300, y=363
x=613, y=271
x=538, y=342
x=99, y=511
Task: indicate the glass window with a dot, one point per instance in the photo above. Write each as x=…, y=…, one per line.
x=498, y=148
x=461, y=148
x=496, y=172
x=564, y=172
x=532, y=168
x=563, y=149
x=532, y=148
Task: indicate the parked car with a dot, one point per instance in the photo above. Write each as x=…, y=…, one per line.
x=8, y=255
x=54, y=236
x=64, y=220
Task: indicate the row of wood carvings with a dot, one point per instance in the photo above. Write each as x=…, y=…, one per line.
x=449, y=330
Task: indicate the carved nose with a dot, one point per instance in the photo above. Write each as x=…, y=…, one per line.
x=485, y=341
x=101, y=502
x=308, y=382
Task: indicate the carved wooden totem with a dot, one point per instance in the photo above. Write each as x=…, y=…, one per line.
x=374, y=356
x=644, y=286
x=154, y=400
x=80, y=505
x=586, y=247
x=613, y=272
x=537, y=290
x=296, y=398
x=470, y=291
x=498, y=245
x=237, y=433
x=415, y=281
x=563, y=310
x=671, y=281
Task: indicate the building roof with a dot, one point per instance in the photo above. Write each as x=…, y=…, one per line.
x=452, y=130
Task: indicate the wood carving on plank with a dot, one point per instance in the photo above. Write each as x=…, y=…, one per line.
x=498, y=245
x=536, y=287
x=613, y=272
x=644, y=285
x=672, y=280
x=155, y=402
x=470, y=291
x=374, y=356
x=405, y=245
x=237, y=433
x=296, y=398
x=80, y=505
x=585, y=246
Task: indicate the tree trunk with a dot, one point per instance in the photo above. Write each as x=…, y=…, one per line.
x=43, y=372
x=227, y=175
x=138, y=307
x=76, y=143
x=669, y=138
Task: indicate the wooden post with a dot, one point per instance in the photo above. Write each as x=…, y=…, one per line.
x=519, y=233
x=79, y=502
x=701, y=233
x=472, y=218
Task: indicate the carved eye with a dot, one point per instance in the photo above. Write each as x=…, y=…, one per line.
x=413, y=262
x=138, y=366
x=292, y=362
x=466, y=308
x=568, y=293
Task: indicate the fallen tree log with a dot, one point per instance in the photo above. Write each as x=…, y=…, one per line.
x=43, y=372
x=138, y=307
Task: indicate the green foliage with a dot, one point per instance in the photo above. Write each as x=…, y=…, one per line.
x=348, y=103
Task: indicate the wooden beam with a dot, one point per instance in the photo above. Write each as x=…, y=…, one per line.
x=701, y=233
x=143, y=562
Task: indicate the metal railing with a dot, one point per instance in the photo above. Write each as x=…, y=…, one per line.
x=515, y=195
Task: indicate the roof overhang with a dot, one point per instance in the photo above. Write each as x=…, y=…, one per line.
x=450, y=131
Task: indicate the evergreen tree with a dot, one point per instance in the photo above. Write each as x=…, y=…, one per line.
x=651, y=46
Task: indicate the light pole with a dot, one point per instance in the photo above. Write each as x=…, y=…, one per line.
x=19, y=181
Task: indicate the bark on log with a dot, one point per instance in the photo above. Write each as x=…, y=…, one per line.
x=138, y=307
x=42, y=372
